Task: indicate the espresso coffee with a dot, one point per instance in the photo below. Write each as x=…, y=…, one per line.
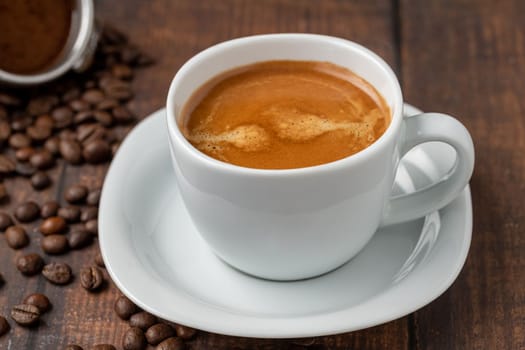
x=284, y=115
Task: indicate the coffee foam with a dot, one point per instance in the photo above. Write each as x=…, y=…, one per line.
x=249, y=138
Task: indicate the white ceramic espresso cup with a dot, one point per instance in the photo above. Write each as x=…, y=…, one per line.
x=299, y=223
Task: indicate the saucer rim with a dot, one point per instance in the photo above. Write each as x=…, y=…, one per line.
x=281, y=326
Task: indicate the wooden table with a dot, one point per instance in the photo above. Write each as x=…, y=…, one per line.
x=465, y=58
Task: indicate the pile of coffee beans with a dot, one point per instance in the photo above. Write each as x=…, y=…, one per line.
x=78, y=120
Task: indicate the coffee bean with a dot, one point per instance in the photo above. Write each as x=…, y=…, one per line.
x=86, y=131
x=63, y=117
x=23, y=154
x=76, y=194
x=42, y=105
x=27, y=212
x=20, y=121
x=121, y=71
x=5, y=131
x=54, y=244
x=30, y=264
x=25, y=169
x=97, y=151
x=19, y=140
x=71, y=94
x=79, y=239
x=5, y=221
x=88, y=213
x=122, y=115
x=93, y=197
x=67, y=134
x=99, y=260
x=134, y=339
x=159, y=332
x=103, y=118
x=184, y=332
x=4, y=326
x=79, y=105
x=84, y=117
x=71, y=151
x=53, y=225
x=7, y=165
x=8, y=99
x=45, y=121
x=57, y=273
x=93, y=96
x=91, y=278
x=3, y=194
x=171, y=344
x=92, y=226
x=124, y=308
x=40, y=180
x=70, y=213
x=142, y=320
x=42, y=160
x=73, y=347
x=39, y=133
x=52, y=145
x=16, y=237
x=49, y=209
x=103, y=347
x=118, y=89
x=25, y=314
x=39, y=300
x=107, y=103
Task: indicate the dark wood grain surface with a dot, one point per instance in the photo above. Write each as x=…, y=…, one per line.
x=465, y=58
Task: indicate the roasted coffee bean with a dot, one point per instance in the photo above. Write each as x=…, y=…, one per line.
x=79, y=239
x=91, y=278
x=5, y=131
x=142, y=320
x=38, y=133
x=118, y=89
x=76, y=194
x=122, y=114
x=121, y=71
x=39, y=300
x=53, y=225
x=103, y=118
x=92, y=226
x=159, y=332
x=124, y=308
x=45, y=121
x=184, y=332
x=103, y=347
x=67, y=134
x=70, y=213
x=71, y=151
x=71, y=94
x=16, y=237
x=40, y=180
x=84, y=117
x=73, y=347
x=25, y=169
x=171, y=344
x=25, y=314
x=107, y=103
x=57, y=273
x=54, y=244
x=5, y=221
x=19, y=140
x=93, y=96
x=52, y=145
x=42, y=105
x=97, y=151
x=8, y=99
x=3, y=195
x=30, y=264
x=23, y=154
x=42, y=160
x=86, y=131
x=20, y=121
x=99, y=260
x=93, y=197
x=134, y=339
x=49, y=209
x=4, y=326
x=88, y=213
x=63, y=117
x=79, y=105
x=7, y=165
x=27, y=211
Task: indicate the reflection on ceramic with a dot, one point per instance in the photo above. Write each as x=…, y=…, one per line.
x=156, y=257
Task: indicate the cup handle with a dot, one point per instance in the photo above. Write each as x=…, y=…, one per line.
x=427, y=127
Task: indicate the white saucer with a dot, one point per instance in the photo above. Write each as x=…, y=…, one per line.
x=155, y=256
